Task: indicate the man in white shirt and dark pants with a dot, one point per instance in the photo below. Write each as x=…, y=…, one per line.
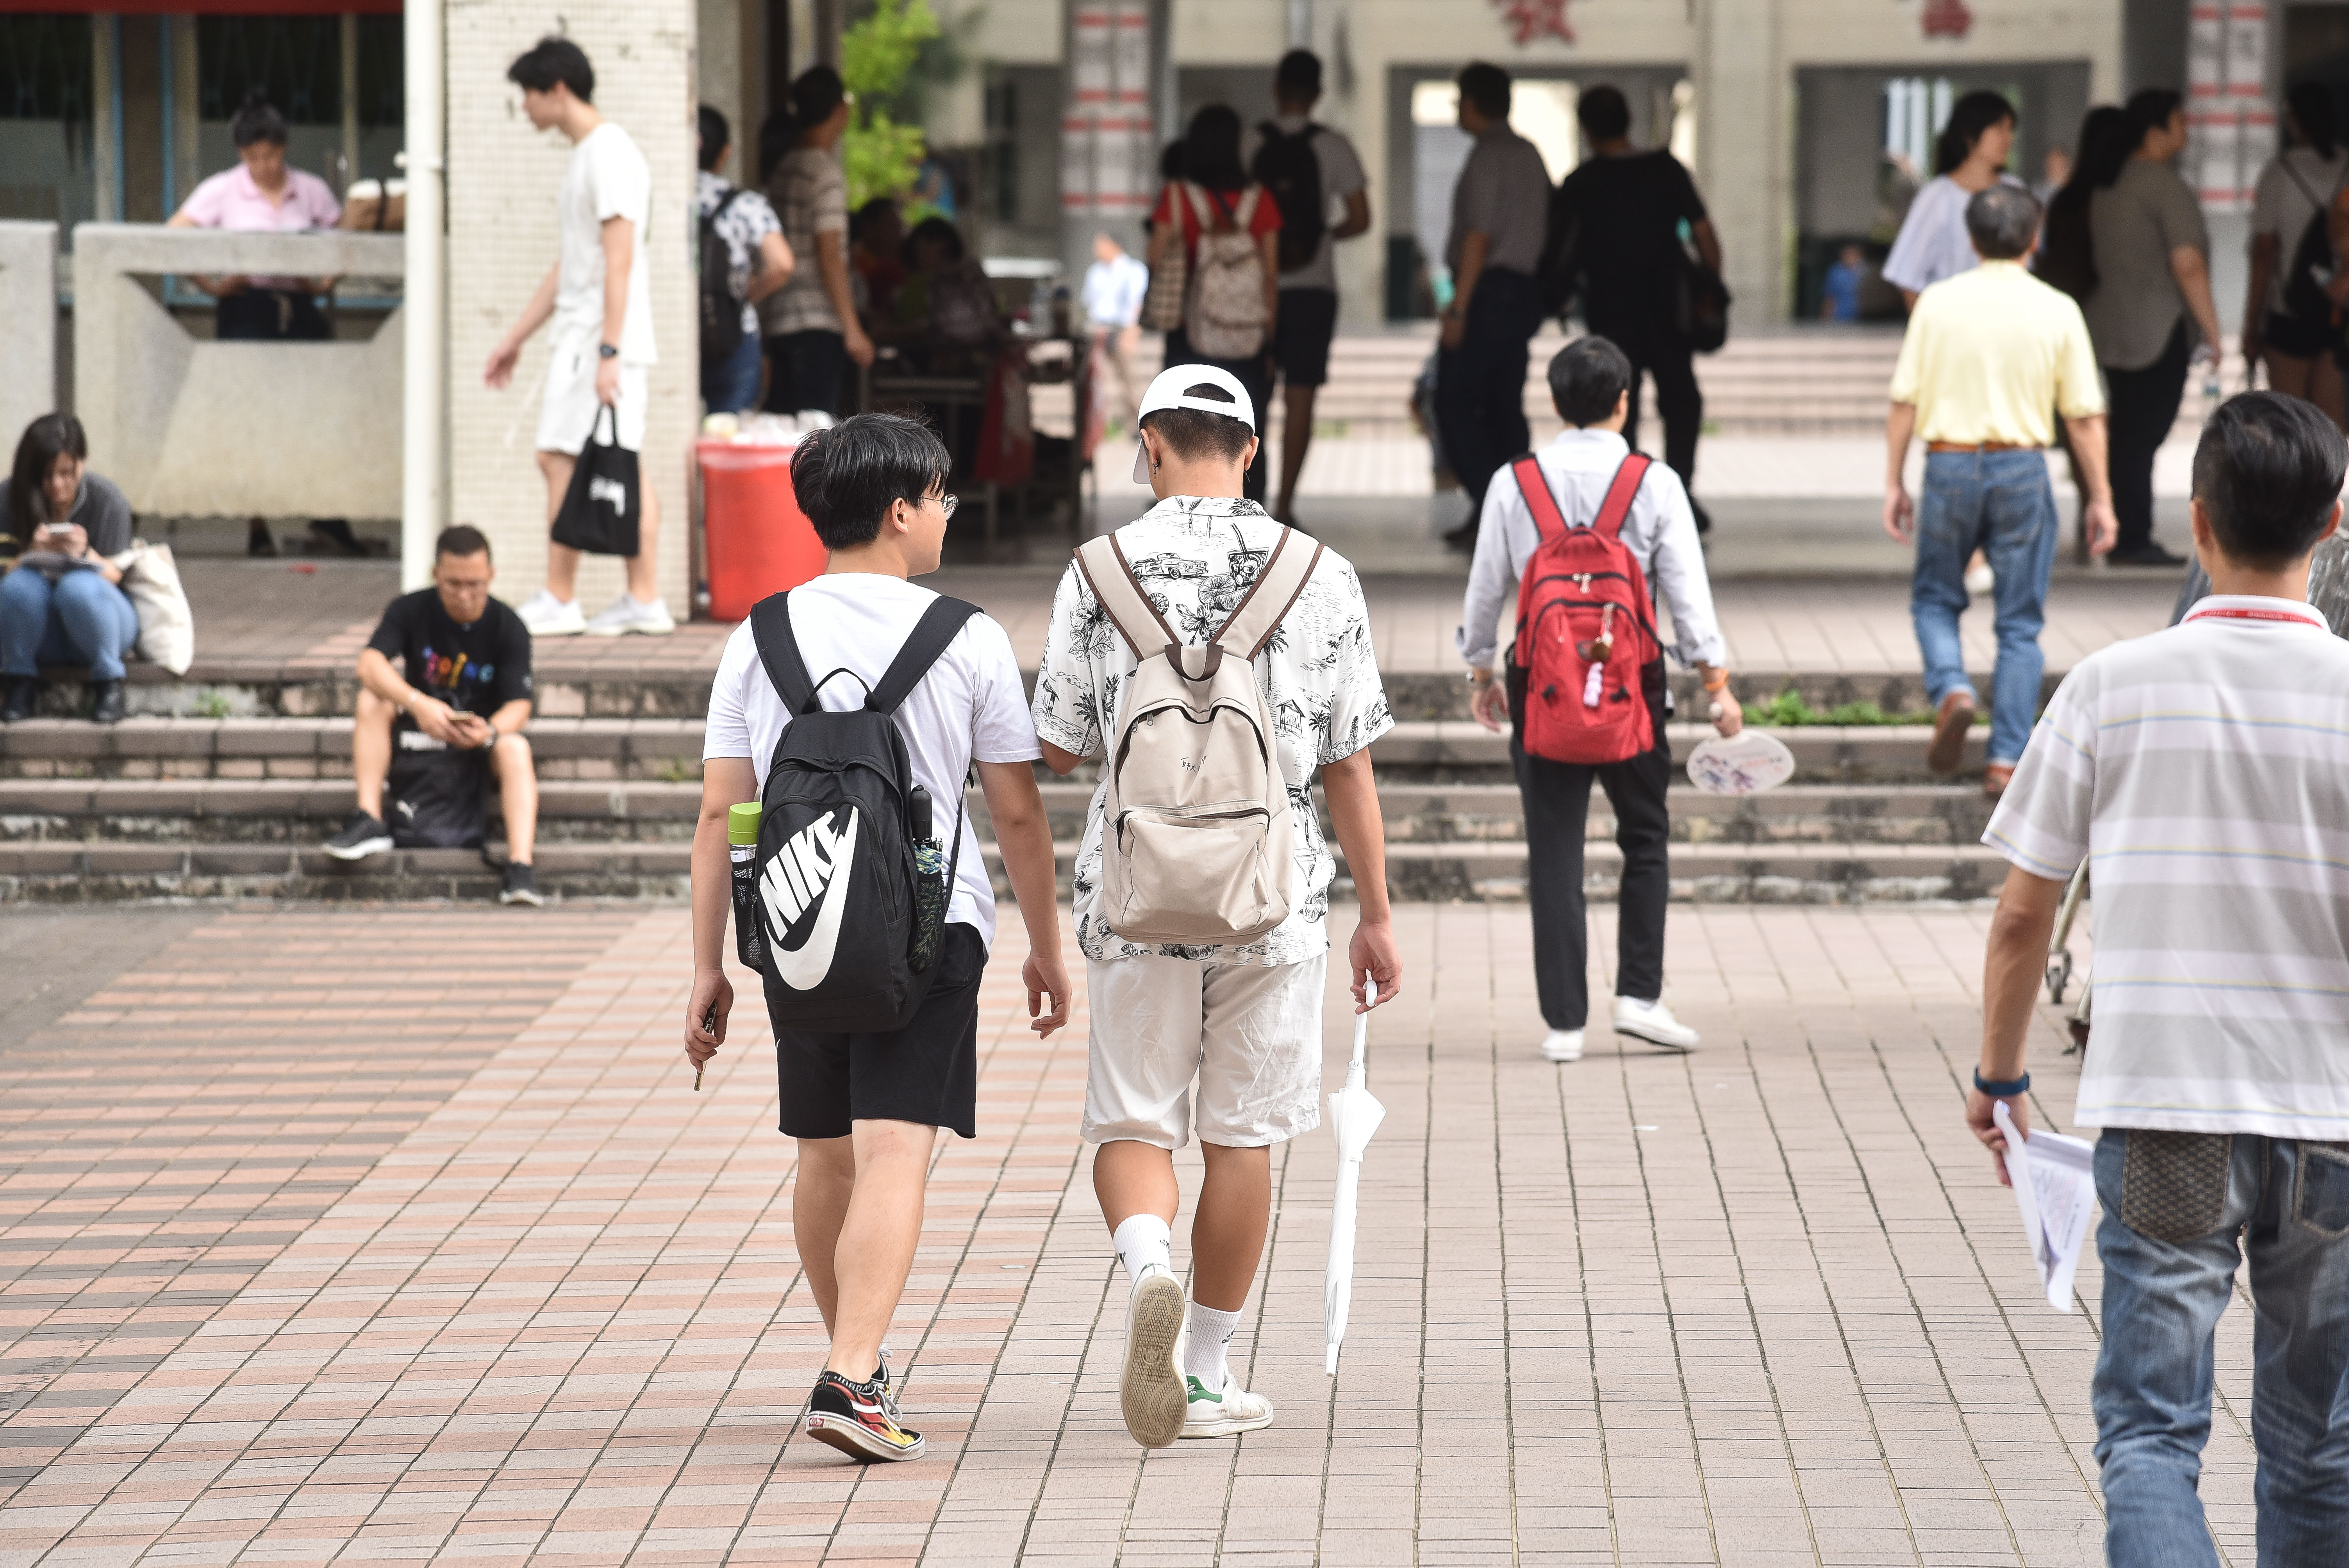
x=1590, y=385
x=2204, y=772
x=1113, y=288
x=599, y=296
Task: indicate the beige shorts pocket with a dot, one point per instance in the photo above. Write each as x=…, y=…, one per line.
x=2174, y=1184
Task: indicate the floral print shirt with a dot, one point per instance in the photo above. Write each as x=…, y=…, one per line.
x=1195, y=557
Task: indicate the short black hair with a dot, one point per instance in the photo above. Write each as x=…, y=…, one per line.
x=1299, y=76
x=1194, y=433
x=935, y=230
x=257, y=119
x=2312, y=116
x=846, y=477
x=1605, y=112
x=1487, y=87
x=460, y=539
x=2149, y=109
x=716, y=135
x=2002, y=221
x=555, y=59
x=2267, y=471
x=1586, y=378
x=816, y=93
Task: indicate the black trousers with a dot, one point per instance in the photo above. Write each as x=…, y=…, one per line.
x=2144, y=405
x=809, y=370
x=270, y=316
x=1255, y=373
x=1557, y=797
x=1656, y=347
x=1480, y=386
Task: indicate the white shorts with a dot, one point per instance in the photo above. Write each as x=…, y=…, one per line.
x=1249, y=1033
x=567, y=412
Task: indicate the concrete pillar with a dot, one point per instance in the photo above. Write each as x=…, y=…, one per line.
x=1109, y=142
x=28, y=303
x=503, y=178
x=1744, y=162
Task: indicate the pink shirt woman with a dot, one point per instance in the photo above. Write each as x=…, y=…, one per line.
x=262, y=195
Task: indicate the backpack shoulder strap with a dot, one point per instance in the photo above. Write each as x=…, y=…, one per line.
x=939, y=625
x=779, y=651
x=1278, y=583
x=1617, y=507
x=1112, y=579
x=1244, y=215
x=1548, y=521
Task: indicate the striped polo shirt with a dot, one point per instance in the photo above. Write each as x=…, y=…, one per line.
x=2203, y=772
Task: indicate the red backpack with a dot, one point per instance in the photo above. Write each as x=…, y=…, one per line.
x=1586, y=644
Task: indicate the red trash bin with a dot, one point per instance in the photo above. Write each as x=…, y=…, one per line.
x=755, y=540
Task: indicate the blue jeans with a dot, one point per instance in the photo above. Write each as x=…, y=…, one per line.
x=731, y=385
x=2177, y=1209
x=80, y=619
x=1999, y=503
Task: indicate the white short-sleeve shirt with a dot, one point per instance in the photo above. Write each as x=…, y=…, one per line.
x=607, y=177
x=970, y=709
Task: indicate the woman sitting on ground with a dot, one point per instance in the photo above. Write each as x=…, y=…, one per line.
x=63, y=602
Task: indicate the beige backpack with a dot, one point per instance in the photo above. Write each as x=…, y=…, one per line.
x=1225, y=316
x=1195, y=836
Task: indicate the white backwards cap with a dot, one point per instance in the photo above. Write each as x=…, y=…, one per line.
x=1167, y=392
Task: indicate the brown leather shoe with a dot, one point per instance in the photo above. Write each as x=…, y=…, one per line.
x=1955, y=716
x=1995, y=777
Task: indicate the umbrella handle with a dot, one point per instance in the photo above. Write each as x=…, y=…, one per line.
x=1361, y=1037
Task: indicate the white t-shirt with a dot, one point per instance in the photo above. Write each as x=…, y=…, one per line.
x=2281, y=205
x=2203, y=771
x=607, y=177
x=1342, y=176
x=970, y=709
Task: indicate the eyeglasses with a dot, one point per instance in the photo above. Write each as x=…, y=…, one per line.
x=947, y=503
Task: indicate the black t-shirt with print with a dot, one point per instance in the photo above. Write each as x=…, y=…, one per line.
x=1631, y=209
x=477, y=668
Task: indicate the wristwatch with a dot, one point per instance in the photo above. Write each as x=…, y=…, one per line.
x=606, y=351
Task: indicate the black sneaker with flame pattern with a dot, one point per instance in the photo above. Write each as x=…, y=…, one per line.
x=860, y=1420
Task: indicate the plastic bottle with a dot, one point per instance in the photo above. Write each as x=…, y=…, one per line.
x=742, y=849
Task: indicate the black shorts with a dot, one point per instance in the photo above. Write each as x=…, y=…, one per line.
x=926, y=1072
x=1301, y=334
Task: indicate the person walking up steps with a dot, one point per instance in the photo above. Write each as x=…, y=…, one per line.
x=599, y=296
x=865, y=1106
x=1241, y=1017
x=2203, y=773
x=1988, y=354
x=1591, y=478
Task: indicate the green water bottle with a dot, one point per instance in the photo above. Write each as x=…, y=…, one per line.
x=742, y=849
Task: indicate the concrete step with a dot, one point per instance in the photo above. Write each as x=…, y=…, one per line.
x=274, y=747
x=82, y=871
x=1824, y=754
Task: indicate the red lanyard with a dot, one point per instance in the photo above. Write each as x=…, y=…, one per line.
x=2254, y=615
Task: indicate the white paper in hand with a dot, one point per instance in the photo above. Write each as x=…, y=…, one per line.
x=1745, y=763
x=2055, y=1187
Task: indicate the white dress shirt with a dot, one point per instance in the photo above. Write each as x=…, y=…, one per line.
x=1660, y=532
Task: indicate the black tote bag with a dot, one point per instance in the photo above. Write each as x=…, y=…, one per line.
x=605, y=501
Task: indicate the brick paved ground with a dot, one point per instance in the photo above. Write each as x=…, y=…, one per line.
x=400, y=1234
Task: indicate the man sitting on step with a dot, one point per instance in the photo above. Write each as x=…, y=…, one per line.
x=462, y=684
x=1590, y=386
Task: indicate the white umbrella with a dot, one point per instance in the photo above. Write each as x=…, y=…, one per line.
x=1354, y=1114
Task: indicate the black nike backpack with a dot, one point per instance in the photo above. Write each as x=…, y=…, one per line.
x=837, y=881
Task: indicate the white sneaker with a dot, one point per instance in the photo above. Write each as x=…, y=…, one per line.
x=1652, y=1022
x=1150, y=1386
x=628, y=613
x=548, y=616
x=1223, y=1415
x=1982, y=580
x=1562, y=1046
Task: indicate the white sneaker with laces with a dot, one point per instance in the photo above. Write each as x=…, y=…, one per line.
x=1150, y=1388
x=628, y=613
x=548, y=616
x=1562, y=1046
x=1223, y=1415
x=1652, y=1022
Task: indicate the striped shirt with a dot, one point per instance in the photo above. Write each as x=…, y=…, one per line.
x=810, y=194
x=2203, y=771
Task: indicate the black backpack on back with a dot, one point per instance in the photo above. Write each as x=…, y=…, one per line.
x=836, y=876
x=2307, y=307
x=1288, y=166
x=1559, y=270
x=721, y=308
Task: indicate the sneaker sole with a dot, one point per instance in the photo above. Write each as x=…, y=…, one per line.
x=554, y=630
x=626, y=631
x=1636, y=1033
x=1949, y=746
x=535, y=900
x=1550, y=1057
x=1149, y=1390
x=1230, y=1429
x=851, y=1438
x=360, y=851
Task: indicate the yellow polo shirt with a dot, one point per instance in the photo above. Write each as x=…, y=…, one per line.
x=1990, y=353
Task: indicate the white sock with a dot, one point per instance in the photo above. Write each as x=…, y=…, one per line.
x=1209, y=1333
x=1143, y=1242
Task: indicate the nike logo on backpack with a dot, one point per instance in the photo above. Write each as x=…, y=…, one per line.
x=810, y=865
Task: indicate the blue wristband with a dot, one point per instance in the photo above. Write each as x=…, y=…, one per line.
x=2003, y=1088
